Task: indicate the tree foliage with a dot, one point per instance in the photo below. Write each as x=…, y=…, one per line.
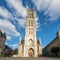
x=55, y=50
x=15, y=51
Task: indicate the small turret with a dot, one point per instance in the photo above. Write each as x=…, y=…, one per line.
x=58, y=34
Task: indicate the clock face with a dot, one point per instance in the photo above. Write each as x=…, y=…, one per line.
x=30, y=43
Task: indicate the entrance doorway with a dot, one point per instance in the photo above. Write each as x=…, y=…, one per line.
x=31, y=52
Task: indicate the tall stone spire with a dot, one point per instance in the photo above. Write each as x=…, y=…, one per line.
x=30, y=35
x=30, y=47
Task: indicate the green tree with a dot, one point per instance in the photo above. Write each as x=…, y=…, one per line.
x=54, y=51
x=15, y=51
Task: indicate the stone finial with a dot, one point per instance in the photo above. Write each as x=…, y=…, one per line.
x=40, y=40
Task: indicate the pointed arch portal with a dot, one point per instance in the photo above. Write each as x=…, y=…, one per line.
x=31, y=52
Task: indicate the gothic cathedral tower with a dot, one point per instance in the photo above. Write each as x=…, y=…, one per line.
x=30, y=47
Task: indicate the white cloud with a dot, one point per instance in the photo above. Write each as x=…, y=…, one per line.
x=5, y=13
x=54, y=10
x=17, y=5
x=8, y=27
x=8, y=38
x=6, y=43
x=14, y=46
x=21, y=11
x=21, y=22
x=51, y=8
x=38, y=24
x=42, y=4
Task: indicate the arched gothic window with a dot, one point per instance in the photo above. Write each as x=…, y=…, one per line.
x=30, y=42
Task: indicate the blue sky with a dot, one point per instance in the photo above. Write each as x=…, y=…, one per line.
x=13, y=18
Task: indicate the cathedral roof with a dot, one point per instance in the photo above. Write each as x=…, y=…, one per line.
x=22, y=42
x=54, y=40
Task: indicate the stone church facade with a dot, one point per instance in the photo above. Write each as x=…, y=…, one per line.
x=30, y=47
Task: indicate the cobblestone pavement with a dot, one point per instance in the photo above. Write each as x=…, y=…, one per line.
x=39, y=58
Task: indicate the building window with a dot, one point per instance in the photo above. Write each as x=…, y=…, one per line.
x=30, y=42
x=31, y=23
x=32, y=15
x=29, y=15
